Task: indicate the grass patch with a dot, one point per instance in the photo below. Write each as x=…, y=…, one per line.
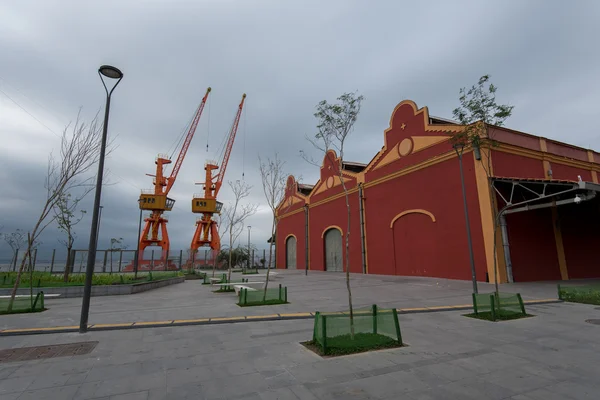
x=224, y=289
x=580, y=294
x=500, y=316
x=46, y=279
x=22, y=305
x=344, y=345
x=20, y=310
x=268, y=302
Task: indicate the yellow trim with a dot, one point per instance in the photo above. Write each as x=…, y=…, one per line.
x=227, y=319
x=286, y=238
x=54, y=328
x=591, y=159
x=153, y=323
x=331, y=227
x=543, y=145
x=427, y=128
x=415, y=211
x=560, y=248
x=183, y=321
x=259, y=316
x=520, y=151
x=485, y=210
x=415, y=167
x=305, y=314
x=291, y=213
x=547, y=168
x=111, y=325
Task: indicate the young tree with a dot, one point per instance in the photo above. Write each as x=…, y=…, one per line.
x=478, y=110
x=335, y=123
x=79, y=151
x=236, y=213
x=273, y=181
x=116, y=244
x=16, y=240
x=65, y=212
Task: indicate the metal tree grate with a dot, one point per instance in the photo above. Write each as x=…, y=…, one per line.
x=593, y=321
x=42, y=352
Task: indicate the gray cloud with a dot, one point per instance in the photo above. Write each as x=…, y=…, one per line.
x=286, y=56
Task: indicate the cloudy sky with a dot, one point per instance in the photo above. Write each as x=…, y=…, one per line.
x=286, y=56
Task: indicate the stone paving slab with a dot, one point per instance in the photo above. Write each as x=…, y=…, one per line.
x=319, y=291
x=551, y=356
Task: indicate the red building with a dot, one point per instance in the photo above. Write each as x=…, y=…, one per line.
x=407, y=215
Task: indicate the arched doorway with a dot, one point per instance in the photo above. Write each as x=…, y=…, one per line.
x=333, y=250
x=290, y=252
x=415, y=252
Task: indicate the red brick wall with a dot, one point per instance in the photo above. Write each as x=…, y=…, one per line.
x=508, y=165
x=429, y=248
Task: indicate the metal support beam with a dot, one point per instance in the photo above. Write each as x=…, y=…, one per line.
x=506, y=246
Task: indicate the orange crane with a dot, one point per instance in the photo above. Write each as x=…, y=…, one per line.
x=157, y=200
x=207, y=204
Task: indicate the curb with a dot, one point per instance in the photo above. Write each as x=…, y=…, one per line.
x=225, y=320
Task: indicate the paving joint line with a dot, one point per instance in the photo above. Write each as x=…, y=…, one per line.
x=227, y=320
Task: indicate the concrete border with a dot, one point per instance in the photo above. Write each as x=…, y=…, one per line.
x=99, y=290
x=226, y=320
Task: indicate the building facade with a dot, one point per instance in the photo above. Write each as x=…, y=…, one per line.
x=532, y=205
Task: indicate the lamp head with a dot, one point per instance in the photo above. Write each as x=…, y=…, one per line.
x=110, y=72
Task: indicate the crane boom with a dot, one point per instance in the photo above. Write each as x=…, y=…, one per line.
x=186, y=144
x=232, y=133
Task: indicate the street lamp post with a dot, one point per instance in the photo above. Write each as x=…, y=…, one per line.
x=137, y=253
x=98, y=227
x=249, y=227
x=112, y=73
x=459, y=148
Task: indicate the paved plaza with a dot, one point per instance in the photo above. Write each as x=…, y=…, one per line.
x=319, y=291
x=551, y=356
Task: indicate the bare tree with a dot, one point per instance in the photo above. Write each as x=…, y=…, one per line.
x=79, y=151
x=16, y=240
x=273, y=181
x=478, y=109
x=335, y=123
x=116, y=244
x=236, y=213
x=65, y=212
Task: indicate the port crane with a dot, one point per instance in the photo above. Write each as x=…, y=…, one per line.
x=157, y=201
x=206, y=203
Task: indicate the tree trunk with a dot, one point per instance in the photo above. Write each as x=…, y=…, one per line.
x=230, y=253
x=347, y=250
x=30, y=273
x=68, y=266
x=273, y=227
x=348, y=271
x=21, y=268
